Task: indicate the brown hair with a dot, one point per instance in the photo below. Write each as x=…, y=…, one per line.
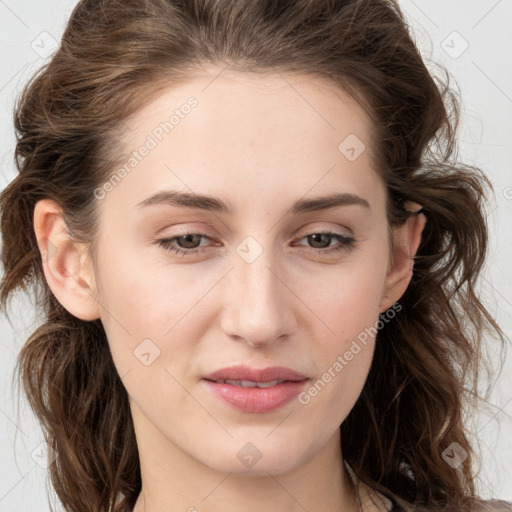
x=427, y=361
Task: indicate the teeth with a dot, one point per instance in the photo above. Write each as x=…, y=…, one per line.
x=251, y=384
x=269, y=384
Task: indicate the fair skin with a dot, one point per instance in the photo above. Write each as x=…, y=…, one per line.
x=259, y=145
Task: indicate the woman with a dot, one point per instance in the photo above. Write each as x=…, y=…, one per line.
x=257, y=260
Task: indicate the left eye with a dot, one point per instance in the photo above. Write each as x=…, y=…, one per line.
x=344, y=241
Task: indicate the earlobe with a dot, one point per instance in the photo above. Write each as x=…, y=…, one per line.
x=66, y=267
x=407, y=239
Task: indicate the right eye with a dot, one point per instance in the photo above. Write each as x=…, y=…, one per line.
x=170, y=243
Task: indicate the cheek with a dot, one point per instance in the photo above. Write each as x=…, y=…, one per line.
x=144, y=295
x=345, y=352
x=133, y=306
x=154, y=308
x=345, y=298
x=346, y=302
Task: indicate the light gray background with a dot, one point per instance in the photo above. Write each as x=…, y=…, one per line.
x=483, y=71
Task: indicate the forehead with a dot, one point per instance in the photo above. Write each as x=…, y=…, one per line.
x=269, y=134
x=261, y=104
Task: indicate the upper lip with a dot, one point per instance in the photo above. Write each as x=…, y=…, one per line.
x=255, y=375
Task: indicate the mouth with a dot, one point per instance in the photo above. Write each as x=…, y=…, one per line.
x=249, y=383
x=251, y=377
x=255, y=399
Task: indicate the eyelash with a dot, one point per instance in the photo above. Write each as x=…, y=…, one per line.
x=346, y=242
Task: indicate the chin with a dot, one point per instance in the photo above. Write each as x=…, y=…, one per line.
x=251, y=461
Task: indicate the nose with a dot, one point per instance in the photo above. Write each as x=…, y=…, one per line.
x=258, y=302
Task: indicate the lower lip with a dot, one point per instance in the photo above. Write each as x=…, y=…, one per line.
x=257, y=400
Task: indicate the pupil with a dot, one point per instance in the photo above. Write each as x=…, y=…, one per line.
x=187, y=240
x=316, y=236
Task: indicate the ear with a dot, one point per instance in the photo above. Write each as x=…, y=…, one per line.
x=407, y=239
x=66, y=265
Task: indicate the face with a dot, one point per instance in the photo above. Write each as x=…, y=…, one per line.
x=261, y=278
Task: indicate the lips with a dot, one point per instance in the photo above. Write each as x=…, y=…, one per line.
x=255, y=391
x=246, y=373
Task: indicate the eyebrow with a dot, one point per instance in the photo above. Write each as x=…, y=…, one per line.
x=208, y=203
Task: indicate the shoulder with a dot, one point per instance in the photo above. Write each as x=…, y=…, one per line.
x=496, y=506
x=481, y=506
